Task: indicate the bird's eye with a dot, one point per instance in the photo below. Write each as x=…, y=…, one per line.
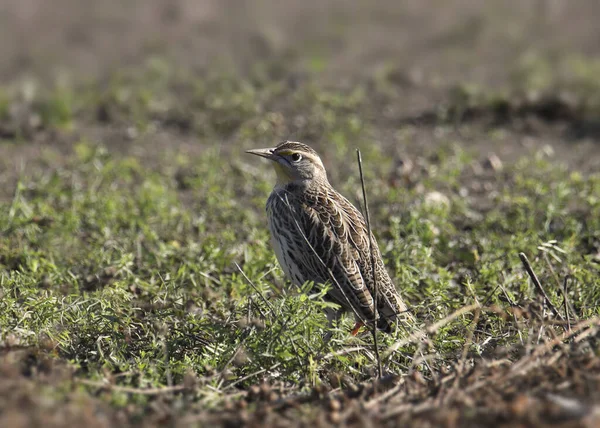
x=296, y=157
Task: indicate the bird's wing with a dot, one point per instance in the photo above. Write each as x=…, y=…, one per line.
x=389, y=302
x=336, y=237
x=328, y=252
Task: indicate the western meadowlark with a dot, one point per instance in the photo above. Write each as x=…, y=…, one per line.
x=319, y=236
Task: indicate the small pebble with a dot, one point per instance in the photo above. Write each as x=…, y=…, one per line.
x=493, y=162
x=436, y=199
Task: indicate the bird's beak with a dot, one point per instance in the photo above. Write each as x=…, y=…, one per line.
x=264, y=153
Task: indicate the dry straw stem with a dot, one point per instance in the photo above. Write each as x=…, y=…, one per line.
x=579, y=332
x=375, y=290
x=521, y=367
x=532, y=360
x=467, y=345
x=386, y=395
x=342, y=352
x=538, y=285
x=131, y=390
x=264, y=299
x=432, y=329
x=251, y=375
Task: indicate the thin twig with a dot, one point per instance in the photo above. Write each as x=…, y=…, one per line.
x=166, y=356
x=566, y=301
x=375, y=290
x=255, y=289
x=522, y=367
x=341, y=352
x=424, y=359
x=538, y=285
x=385, y=396
x=414, y=409
x=131, y=390
x=433, y=328
x=271, y=308
x=552, y=271
x=467, y=345
x=231, y=385
x=418, y=335
x=547, y=346
x=512, y=304
x=489, y=295
x=562, y=287
x=531, y=360
x=245, y=334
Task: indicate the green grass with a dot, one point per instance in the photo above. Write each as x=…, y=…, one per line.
x=102, y=258
x=127, y=270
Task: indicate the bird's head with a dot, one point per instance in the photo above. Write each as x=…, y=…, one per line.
x=293, y=162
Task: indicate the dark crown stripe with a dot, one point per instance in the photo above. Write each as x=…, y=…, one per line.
x=295, y=146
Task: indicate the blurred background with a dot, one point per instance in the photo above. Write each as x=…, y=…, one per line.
x=444, y=39
x=529, y=65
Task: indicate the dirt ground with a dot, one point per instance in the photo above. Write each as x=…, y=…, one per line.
x=430, y=46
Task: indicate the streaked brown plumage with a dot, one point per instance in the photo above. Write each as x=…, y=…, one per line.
x=319, y=236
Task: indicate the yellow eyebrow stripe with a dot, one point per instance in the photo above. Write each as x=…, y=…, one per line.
x=286, y=152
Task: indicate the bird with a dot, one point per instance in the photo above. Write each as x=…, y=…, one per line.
x=319, y=236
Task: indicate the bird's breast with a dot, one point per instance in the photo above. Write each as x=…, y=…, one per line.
x=285, y=240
